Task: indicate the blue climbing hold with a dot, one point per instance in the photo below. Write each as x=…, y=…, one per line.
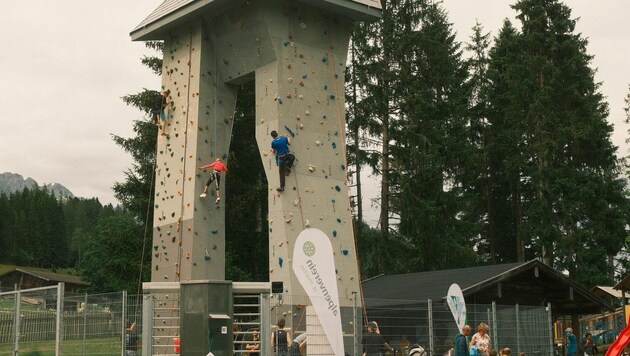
x=334, y=145
x=337, y=188
x=344, y=251
x=334, y=233
x=280, y=261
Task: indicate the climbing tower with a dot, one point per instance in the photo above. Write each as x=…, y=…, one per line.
x=296, y=52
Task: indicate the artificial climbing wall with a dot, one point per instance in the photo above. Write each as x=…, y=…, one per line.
x=297, y=54
x=189, y=231
x=301, y=94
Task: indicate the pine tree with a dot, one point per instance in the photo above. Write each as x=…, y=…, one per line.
x=506, y=138
x=246, y=199
x=476, y=178
x=372, y=47
x=433, y=144
x=553, y=144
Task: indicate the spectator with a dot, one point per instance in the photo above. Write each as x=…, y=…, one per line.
x=461, y=343
x=481, y=339
x=373, y=342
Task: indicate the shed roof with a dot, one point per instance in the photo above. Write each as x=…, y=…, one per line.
x=603, y=291
x=48, y=276
x=624, y=284
x=173, y=12
x=526, y=283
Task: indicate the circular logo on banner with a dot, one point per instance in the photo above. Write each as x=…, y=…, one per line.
x=308, y=248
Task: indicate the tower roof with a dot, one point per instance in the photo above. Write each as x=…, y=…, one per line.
x=173, y=12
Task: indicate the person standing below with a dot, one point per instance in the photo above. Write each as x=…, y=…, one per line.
x=253, y=346
x=217, y=167
x=284, y=157
x=589, y=347
x=461, y=343
x=373, y=342
x=404, y=344
x=131, y=340
x=481, y=339
x=280, y=340
x=571, y=342
x=298, y=345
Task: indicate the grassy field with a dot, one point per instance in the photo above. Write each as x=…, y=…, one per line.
x=100, y=346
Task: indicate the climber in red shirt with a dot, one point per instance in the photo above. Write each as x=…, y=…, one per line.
x=217, y=167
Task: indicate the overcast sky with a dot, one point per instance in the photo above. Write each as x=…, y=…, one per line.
x=65, y=64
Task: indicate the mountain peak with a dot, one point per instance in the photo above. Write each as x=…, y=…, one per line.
x=14, y=182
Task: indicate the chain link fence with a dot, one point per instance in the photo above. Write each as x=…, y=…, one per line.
x=430, y=324
x=37, y=322
x=112, y=324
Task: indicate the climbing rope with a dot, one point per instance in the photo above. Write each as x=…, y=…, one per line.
x=299, y=203
x=341, y=121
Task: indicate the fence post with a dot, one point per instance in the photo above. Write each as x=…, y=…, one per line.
x=60, y=296
x=356, y=323
x=550, y=324
x=494, y=326
x=16, y=320
x=85, y=311
x=430, y=316
x=123, y=324
x=518, y=329
x=147, y=324
x=265, y=324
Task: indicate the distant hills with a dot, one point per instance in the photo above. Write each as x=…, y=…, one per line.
x=13, y=182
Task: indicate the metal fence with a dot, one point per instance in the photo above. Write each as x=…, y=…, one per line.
x=429, y=324
x=110, y=324
x=38, y=322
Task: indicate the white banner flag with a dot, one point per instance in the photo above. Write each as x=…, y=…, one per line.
x=455, y=301
x=314, y=267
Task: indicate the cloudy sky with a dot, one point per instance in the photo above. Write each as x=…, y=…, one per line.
x=65, y=64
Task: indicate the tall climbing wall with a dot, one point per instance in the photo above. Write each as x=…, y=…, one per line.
x=189, y=231
x=301, y=94
x=295, y=50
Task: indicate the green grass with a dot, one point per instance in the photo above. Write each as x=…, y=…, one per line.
x=100, y=346
x=6, y=268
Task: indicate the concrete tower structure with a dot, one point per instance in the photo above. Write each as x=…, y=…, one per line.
x=296, y=51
